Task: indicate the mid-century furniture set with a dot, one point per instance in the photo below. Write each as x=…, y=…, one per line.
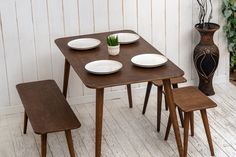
x=48, y=111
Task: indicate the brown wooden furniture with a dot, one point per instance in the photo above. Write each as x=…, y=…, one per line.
x=190, y=99
x=48, y=111
x=129, y=74
x=159, y=84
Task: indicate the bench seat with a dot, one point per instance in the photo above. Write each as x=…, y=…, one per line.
x=48, y=111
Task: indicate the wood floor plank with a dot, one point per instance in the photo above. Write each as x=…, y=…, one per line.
x=79, y=145
x=119, y=134
x=126, y=132
x=6, y=143
x=218, y=141
x=152, y=142
x=107, y=134
x=24, y=145
x=87, y=131
x=132, y=135
x=37, y=140
x=151, y=115
x=54, y=145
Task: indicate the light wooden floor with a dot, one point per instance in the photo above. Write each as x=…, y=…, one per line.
x=127, y=133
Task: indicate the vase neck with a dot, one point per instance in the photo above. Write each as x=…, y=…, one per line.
x=207, y=37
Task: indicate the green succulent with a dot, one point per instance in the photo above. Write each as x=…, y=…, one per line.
x=229, y=12
x=112, y=40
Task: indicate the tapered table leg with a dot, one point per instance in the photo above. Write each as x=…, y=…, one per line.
x=43, y=145
x=170, y=102
x=70, y=143
x=66, y=77
x=25, y=123
x=99, y=118
x=159, y=101
x=129, y=90
x=149, y=87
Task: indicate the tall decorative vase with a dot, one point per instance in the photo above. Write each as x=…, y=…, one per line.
x=206, y=57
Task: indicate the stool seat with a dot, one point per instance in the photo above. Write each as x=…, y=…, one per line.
x=159, y=84
x=191, y=99
x=173, y=81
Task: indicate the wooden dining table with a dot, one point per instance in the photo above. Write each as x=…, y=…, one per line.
x=129, y=74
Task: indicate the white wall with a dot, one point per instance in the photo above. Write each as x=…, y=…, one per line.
x=28, y=29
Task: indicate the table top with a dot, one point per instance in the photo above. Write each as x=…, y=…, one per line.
x=129, y=73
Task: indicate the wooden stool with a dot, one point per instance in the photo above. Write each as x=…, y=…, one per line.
x=190, y=99
x=159, y=84
x=48, y=111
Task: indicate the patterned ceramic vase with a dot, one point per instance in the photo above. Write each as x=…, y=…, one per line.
x=206, y=57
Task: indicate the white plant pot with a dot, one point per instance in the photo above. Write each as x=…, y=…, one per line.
x=113, y=50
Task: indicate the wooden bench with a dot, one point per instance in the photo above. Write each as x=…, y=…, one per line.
x=190, y=99
x=48, y=111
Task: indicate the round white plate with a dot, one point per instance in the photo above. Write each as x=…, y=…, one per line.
x=103, y=67
x=84, y=43
x=149, y=60
x=127, y=38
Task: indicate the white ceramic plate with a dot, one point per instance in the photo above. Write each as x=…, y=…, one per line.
x=149, y=60
x=84, y=43
x=127, y=38
x=103, y=67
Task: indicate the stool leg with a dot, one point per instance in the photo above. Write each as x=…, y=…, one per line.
x=130, y=95
x=44, y=145
x=25, y=122
x=181, y=117
x=159, y=100
x=70, y=143
x=175, y=85
x=186, y=130
x=168, y=129
x=149, y=87
x=207, y=130
x=179, y=110
x=166, y=104
x=192, y=123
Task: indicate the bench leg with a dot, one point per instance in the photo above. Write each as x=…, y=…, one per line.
x=192, y=123
x=70, y=143
x=168, y=129
x=25, y=122
x=186, y=130
x=207, y=130
x=44, y=145
x=159, y=100
x=130, y=95
x=148, y=90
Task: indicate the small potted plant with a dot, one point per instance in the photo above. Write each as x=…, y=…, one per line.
x=113, y=45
